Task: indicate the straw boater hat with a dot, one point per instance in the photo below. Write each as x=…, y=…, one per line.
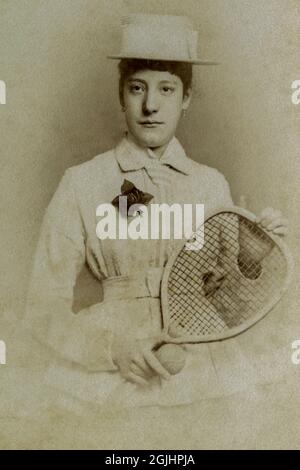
x=159, y=37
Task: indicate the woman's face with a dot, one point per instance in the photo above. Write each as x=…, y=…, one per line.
x=153, y=102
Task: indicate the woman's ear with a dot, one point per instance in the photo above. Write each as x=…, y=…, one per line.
x=187, y=99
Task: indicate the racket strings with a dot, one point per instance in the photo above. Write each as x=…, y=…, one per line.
x=228, y=281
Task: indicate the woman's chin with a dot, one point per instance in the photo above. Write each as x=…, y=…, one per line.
x=153, y=141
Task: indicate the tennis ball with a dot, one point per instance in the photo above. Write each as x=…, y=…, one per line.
x=171, y=357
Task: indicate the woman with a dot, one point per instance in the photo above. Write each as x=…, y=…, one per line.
x=101, y=352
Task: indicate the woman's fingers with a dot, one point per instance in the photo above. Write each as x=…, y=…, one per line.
x=273, y=221
x=134, y=378
x=267, y=216
x=139, y=364
x=156, y=365
x=276, y=223
x=132, y=373
x=267, y=220
x=281, y=231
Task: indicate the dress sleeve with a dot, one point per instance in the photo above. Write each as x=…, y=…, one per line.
x=225, y=193
x=85, y=337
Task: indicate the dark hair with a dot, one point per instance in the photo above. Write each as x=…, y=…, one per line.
x=128, y=67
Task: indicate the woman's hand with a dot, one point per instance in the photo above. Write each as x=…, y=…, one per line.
x=136, y=360
x=273, y=221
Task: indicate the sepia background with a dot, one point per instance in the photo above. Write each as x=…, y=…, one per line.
x=62, y=109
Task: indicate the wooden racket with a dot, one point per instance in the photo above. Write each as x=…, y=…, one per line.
x=226, y=286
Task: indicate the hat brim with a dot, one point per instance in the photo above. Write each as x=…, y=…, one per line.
x=187, y=61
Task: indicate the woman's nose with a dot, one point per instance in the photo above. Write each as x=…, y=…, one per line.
x=150, y=103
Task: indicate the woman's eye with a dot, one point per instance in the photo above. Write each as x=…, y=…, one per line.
x=167, y=90
x=136, y=89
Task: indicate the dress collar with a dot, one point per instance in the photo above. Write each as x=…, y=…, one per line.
x=131, y=157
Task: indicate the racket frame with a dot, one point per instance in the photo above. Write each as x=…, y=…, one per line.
x=246, y=324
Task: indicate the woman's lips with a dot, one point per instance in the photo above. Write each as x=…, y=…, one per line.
x=150, y=124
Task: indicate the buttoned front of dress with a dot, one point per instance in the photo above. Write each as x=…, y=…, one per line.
x=172, y=179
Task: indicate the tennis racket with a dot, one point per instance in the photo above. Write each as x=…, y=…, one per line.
x=228, y=284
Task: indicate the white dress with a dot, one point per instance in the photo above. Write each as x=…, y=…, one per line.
x=80, y=365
